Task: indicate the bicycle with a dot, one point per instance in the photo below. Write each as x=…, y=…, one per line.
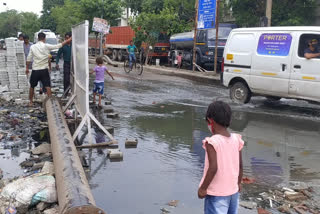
x=137, y=67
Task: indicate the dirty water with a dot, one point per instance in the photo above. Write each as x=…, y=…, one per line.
x=166, y=115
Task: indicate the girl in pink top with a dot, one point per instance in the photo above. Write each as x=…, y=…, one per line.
x=220, y=184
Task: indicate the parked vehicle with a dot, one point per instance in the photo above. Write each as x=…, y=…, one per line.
x=270, y=62
x=51, y=39
x=205, y=45
x=117, y=42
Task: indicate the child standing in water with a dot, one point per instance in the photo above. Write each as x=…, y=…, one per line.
x=99, y=82
x=221, y=181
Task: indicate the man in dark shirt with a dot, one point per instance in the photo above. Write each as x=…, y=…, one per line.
x=66, y=52
x=312, y=51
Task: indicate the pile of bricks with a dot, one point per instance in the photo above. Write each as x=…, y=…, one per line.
x=12, y=70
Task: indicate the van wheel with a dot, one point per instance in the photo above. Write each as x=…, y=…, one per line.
x=240, y=93
x=273, y=99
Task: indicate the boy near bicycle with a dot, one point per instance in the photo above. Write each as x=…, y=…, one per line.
x=99, y=81
x=131, y=51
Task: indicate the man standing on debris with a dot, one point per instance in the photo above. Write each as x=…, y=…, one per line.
x=26, y=46
x=39, y=53
x=66, y=52
x=21, y=37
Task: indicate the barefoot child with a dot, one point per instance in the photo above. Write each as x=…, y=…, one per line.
x=99, y=82
x=220, y=184
x=179, y=60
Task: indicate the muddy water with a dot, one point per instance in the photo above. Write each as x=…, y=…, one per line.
x=166, y=115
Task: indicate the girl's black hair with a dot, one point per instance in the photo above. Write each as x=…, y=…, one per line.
x=220, y=112
x=99, y=61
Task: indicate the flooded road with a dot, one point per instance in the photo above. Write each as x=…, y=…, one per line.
x=166, y=115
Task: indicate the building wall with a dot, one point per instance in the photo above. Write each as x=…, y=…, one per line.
x=124, y=20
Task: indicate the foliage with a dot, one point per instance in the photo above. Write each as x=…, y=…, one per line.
x=12, y=22
x=67, y=15
x=47, y=21
x=284, y=12
x=30, y=23
x=134, y=5
x=298, y=12
x=111, y=9
x=168, y=16
x=152, y=6
x=9, y=23
x=184, y=8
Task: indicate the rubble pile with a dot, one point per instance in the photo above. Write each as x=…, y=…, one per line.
x=32, y=189
x=12, y=71
x=299, y=198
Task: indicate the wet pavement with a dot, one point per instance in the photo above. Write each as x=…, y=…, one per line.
x=166, y=115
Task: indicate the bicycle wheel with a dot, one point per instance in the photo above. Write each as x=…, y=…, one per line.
x=126, y=66
x=138, y=68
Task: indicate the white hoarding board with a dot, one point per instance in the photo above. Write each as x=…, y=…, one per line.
x=80, y=96
x=81, y=66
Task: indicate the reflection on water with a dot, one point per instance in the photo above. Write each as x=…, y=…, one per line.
x=168, y=162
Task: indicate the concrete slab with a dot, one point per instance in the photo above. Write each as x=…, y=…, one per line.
x=131, y=143
x=108, y=110
x=112, y=115
x=115, y=154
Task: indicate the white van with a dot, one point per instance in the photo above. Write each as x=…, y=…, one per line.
x=51, y=39
x=270, y=62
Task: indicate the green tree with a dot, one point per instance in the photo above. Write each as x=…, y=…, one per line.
x=148, y=26
x=67, y=15
x=284, y=12
x=297, y=12
x=134, y=5
x=9, y=23
x=30, y=23
x=152, y=6
x=47, y=21
x=111, y=10
x=184, y=8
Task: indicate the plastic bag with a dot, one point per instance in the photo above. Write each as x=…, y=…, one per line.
x=41, y=188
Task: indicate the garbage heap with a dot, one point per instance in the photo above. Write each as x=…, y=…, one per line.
x=13, y=79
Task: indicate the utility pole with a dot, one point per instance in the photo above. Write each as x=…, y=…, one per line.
x=101, y=34
x=217, y=36
x=195, y=36
x=269, y=11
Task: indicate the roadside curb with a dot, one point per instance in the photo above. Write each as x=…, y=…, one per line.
x=195, y=76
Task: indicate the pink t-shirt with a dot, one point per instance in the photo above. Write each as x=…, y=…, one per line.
x=225, y=181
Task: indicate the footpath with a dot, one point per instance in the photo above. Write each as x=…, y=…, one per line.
x=207, y=77
x=204, y=77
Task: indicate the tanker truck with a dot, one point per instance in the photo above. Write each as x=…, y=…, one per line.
x=182, y=43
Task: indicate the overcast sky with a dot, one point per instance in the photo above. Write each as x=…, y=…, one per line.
x=22, y=5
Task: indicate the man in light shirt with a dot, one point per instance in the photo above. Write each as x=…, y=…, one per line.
x=39, y=53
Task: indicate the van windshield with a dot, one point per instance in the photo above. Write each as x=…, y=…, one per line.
x=51, y=41
x=223, y=33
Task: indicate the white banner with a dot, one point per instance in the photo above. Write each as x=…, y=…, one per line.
x=100, y=25
x=81, y=66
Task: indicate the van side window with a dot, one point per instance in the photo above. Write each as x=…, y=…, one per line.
x=309, y=43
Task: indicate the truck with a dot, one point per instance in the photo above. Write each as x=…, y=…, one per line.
x=183, y=44
x=117, y=41
x=51, y=39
